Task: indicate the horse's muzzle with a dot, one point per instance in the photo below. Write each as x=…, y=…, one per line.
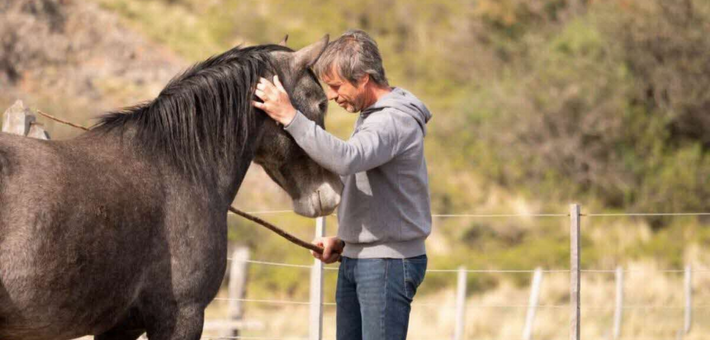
x=320, y=202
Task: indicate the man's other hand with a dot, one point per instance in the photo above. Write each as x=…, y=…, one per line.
x=332, y=248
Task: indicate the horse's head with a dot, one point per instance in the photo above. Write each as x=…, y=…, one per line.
x=314, y=190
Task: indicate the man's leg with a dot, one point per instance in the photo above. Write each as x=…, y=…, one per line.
x=385, y=289
x=349, y=324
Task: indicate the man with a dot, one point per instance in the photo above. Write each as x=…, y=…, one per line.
x=384, y=215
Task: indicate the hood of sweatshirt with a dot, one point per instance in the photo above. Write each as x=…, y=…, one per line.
x=404, y=101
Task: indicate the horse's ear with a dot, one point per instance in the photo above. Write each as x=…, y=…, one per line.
x=284, y=40
x=307, y=56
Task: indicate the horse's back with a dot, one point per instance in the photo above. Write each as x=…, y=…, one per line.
x=73, y=228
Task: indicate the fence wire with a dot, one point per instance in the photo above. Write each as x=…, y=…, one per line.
x=496, y=271
x=272, y=212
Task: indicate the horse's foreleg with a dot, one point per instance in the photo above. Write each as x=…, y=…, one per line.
x=120, y=335
x=183, y=324
x=130, y=328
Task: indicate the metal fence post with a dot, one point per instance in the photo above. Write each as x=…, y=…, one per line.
x=532, y=304
x=688, y=298
x=574, y=298
x=619, y=308
x=316, y=306
x=460, y=329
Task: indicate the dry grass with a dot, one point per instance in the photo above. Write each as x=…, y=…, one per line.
x=653, y=309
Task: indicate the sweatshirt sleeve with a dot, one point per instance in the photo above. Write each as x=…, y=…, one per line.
x=373, y=144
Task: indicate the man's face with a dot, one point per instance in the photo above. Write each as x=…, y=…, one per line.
x=348, y=96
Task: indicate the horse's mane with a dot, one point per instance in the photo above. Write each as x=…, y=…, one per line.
x=203, y=115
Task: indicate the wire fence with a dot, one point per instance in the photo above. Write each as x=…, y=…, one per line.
x=522, y=271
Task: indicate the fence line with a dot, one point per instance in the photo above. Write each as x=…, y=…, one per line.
x=492, y=271
x=412, y=338
x=647, y=214
x=575, y=271
x=264, y=212
x=250, y=338
x=454, y=306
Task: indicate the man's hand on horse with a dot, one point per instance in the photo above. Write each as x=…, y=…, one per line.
x=274, y=101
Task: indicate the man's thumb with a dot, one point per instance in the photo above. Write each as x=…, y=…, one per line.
x=326, y=252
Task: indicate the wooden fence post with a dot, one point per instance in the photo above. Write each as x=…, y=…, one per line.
x=574, y=298
x=459, y=331
x=619, y=307
x=18, y=120
x=37, y=131
x=532, y=304
x=238, y=273
x=316, y=306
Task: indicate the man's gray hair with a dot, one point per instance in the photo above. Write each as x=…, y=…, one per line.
x=353, y=55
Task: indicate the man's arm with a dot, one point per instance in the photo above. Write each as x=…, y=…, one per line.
x=371, y=146
x=374, y=144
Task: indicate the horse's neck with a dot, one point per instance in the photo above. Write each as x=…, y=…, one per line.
x=223, y=180
x=229, y=181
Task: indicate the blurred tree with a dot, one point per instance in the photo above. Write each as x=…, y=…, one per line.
x=666, y=46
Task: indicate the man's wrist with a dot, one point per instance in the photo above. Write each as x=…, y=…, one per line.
x=288, y=117
x=287, y=121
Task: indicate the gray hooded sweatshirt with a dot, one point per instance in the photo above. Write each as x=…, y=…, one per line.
x=385, y=206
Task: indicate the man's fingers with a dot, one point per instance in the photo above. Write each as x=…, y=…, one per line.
x=332, y=259
x=260, y=93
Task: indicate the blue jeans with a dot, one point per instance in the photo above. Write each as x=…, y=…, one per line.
x=374, y=297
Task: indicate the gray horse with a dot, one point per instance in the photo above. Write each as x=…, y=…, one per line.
x=123, y=230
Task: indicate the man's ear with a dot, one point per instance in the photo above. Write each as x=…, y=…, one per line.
x=364, y=80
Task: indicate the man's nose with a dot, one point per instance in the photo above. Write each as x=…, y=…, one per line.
x=330, y=94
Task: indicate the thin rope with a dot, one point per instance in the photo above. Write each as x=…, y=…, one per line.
x=293, y=239
x=63, y=121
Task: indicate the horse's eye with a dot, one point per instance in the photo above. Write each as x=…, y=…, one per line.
x=323, y=106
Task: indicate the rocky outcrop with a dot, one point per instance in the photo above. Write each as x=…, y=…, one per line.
x=79, y=56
